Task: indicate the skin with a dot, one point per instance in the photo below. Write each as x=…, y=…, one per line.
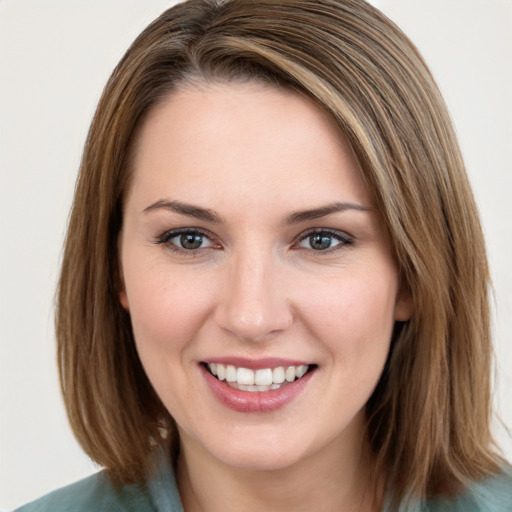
x=257, y=288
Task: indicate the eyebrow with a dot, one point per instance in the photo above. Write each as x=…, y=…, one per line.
x=317, y=213
x=185, y=209
x=208, y=215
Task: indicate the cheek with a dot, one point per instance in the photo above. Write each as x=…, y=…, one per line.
x=166, y=313
x=165, y=309
x=353, y=315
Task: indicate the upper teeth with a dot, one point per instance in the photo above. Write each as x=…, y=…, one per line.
x=261, y=377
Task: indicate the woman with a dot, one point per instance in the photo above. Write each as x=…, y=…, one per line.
x=274, y=287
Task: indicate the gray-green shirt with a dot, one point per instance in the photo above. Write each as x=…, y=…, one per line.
x=160, y=494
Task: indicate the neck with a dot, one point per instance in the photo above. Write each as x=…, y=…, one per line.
x=335, y=480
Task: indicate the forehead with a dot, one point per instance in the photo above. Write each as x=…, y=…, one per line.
x=239, y=138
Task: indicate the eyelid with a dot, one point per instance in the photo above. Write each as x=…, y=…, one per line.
x=166, y=237
x=343, y=237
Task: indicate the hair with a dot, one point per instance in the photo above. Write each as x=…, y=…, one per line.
x=428, y=420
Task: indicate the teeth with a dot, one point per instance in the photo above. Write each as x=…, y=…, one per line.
x=230, y=373
x=221, y=372
x=263, y=379
x=243, y=387
x=245, y=376
x=300, y=371
x=278, y=375
x=290, y=373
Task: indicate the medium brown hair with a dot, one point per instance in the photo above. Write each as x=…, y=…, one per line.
x=428, y=421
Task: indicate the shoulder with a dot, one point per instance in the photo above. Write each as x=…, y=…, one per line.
x=493, y=494
x=93, y=493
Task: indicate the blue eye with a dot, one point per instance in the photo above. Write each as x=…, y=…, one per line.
x=185, y=240
x=324, y=240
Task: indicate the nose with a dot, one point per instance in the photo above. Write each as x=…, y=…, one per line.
x=254, y=305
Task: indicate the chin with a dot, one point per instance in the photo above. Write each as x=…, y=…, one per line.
x=259, y=460
x=261, y=449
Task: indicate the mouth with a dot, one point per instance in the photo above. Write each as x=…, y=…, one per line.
x=258, y=380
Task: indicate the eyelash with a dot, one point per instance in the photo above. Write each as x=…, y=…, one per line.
x=165, y=239
x=343, y=238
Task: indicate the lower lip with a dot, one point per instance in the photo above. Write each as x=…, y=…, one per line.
x=255, y=401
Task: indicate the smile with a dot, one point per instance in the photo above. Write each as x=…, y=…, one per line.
x=256, y=386
x=260, y=380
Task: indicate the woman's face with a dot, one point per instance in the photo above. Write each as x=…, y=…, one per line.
x=251, y=249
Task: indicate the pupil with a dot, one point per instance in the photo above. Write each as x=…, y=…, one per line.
x=320, y=242
x=191, y=241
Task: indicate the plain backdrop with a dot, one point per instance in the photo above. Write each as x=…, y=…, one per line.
x=55, y=57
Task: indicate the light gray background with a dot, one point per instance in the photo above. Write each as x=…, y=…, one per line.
x=55, y=56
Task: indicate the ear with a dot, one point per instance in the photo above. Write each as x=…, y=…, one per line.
x=123, y=299
x=404, y=306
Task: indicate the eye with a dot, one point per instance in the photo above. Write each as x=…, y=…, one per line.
x=323, y=240
x=185, y=240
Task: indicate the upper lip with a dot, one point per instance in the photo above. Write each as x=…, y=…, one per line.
x=256, y=364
